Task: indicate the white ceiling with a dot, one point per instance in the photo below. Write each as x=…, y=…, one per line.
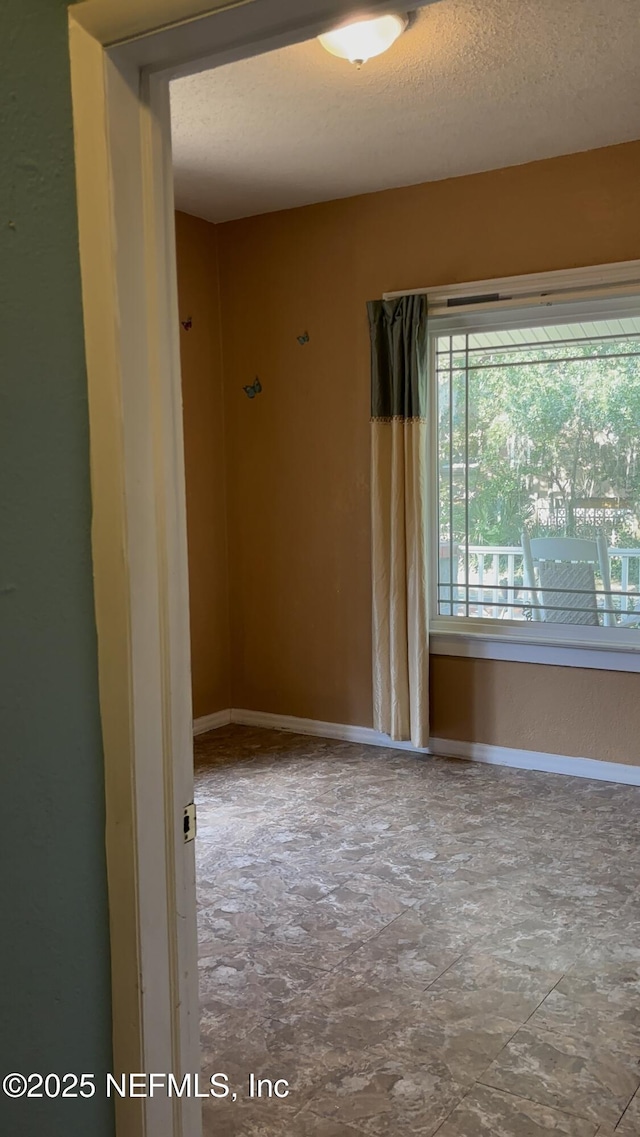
x=471, y=85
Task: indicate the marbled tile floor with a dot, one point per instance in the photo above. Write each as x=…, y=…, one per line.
x=417, y=945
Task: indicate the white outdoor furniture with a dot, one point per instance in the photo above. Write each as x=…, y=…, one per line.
x=560, y=576
x=492, y=583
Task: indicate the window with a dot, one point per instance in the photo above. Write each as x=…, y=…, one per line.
x=536, y=495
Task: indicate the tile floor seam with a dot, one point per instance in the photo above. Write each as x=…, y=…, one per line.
x=341, y=962
x=626, y=1108
x=559, y=1035
x=439, y=976
x=365, y=940
x=556, y=1108
x=534, y=1101
x=464, y=1097
x=374, y=936
x=477, y=1081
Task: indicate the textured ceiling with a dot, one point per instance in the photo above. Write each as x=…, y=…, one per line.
x=471, y=85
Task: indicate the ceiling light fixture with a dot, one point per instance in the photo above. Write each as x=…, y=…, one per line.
x=363, y=39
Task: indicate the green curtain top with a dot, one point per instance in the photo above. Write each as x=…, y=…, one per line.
x=398, y=358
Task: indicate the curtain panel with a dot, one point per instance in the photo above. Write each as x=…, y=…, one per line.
x=399, y=441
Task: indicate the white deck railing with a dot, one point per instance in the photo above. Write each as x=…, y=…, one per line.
x=495, y=582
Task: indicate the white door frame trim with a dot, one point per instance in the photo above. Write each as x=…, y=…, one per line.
x=123, y=53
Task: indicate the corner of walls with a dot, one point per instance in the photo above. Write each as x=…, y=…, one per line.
x=205, y=461
x=224, y=416
x=234, y=464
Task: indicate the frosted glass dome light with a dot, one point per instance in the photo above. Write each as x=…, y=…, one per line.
x=365, y=38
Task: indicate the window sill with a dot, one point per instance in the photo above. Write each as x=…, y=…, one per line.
x=519, y=648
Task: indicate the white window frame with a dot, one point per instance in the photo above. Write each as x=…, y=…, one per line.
x=604, y=288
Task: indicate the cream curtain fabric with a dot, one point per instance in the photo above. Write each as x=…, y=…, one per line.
x=399, y=502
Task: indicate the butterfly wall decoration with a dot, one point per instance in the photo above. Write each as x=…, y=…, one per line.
x=304, y=338
x=187, y=324
x=254, y=389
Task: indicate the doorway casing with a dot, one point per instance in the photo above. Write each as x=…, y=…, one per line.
x=123, y=55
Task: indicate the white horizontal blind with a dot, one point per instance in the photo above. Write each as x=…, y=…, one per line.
x=542, y=311
x=590, y=281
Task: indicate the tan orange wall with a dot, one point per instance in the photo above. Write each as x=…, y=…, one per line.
x=558, y=710
x=298, y=454
x=203, y=411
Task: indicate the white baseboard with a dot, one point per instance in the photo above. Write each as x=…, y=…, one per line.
x=439, y=747
x=537, y=760
x=211, y=722
x=320, y=729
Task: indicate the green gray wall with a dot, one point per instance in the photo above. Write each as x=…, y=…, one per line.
x=55, y=1007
